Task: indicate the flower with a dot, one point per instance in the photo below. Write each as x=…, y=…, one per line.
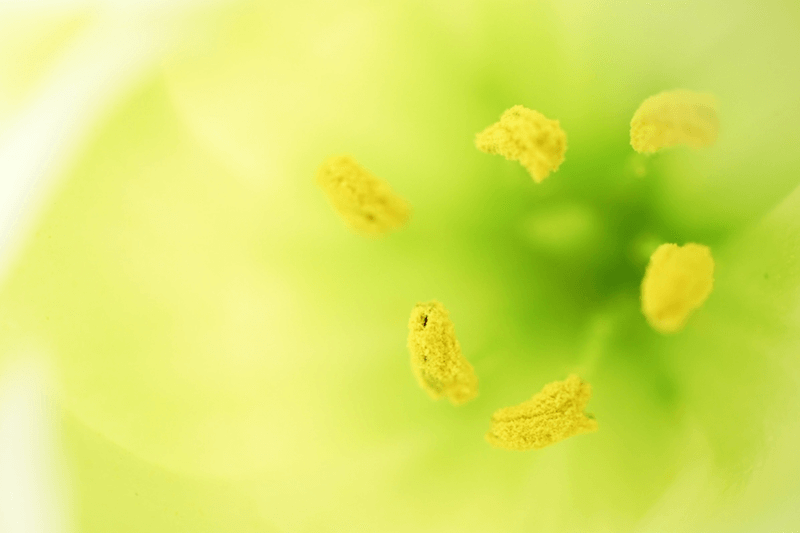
x=232, y=358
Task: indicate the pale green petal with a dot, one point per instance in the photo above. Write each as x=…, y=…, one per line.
x=620, y=53
x=740, y=374
x=113, y=490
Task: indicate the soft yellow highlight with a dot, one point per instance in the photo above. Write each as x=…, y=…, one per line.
x=436, y=357
x=366, y=203
x=552, y=415
x=672, y=118
x=677, y=281
x=527, y=136
x=32, y=42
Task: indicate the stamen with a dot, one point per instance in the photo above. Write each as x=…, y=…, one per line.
x=436, y=358
x=551, y=415
x=672, y=118
x=365, y=202
x=677, y=281
x=527, y=136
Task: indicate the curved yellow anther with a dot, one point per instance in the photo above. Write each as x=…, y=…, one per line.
x=551, y=415
x=436, y=358
x=527, y=136
x=672, y=118
x=677, y=281
x=365, y=202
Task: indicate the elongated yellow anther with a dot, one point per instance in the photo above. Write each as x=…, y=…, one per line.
x=527, y=136
x=677, y=281
x=672, y=118
x=436, y=358
x=552, y=415
x=365, y=202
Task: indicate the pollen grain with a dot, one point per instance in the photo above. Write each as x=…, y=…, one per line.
x=367, y=203
x=677, y=281
x=436, y=359
x=673, y=118
x=551, y=415
x=527, y=136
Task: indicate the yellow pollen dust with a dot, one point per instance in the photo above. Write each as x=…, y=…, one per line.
x=677, y=281
x=672, y=118
x=527, y=136
x=366, y=203
x=436, y=358
x=552, y=415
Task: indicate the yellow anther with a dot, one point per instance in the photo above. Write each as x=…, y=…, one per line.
x=552, y=415
x=672, y=118
x=365, y=202
x=677, y=281
x=527, y=136
x=436, y=357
